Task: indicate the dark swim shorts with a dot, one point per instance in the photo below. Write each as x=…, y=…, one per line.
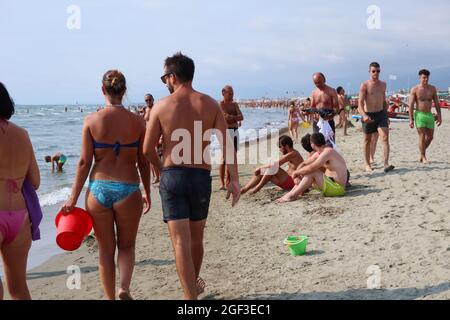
x=234, y=133
x=380, y=120
x=185, y=193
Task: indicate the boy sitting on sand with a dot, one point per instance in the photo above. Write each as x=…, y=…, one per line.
x=332, y=182
x=273, y=172
x=59, y=158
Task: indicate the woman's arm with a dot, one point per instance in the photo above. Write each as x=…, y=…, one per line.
x=144, y=169
x=84, y=166
x=33, y=174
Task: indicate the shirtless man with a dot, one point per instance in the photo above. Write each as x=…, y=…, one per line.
x=149, y=101
x=233, y=117
x=273, y=172
x=59, y=159
x=423, y=97
x=332, y=182
x=185, y=186
x=372, y=106
x=324, y=98
x=343, y=109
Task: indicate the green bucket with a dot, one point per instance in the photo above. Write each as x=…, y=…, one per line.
x=296, y=245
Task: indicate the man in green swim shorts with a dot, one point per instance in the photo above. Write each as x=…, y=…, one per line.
x=59, y=159
x=331, y=183
x=423, y=97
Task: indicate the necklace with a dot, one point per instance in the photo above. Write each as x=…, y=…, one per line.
x=114, y=106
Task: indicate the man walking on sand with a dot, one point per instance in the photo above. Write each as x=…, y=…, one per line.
x=423, y=97
x=185, y=186
x=372, y=107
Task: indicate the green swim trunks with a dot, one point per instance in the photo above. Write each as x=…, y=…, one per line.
x=62, y=159
x=424, y=120
x=331, y=188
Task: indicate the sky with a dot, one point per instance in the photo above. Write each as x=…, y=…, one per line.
x=260, y=47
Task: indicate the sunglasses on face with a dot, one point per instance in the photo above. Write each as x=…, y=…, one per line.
x=164, y=77
x=148, y=100
x=376, y=71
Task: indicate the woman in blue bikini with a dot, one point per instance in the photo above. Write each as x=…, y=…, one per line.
x=113, y=137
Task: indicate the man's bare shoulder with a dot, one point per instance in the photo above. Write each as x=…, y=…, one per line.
x=208, y=101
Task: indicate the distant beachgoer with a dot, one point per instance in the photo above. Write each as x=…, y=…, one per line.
x=65, y=109
x=17, y=164
x=324, y=98
x=273, y=172
x=344, y=109
x=185, y=186
x=59, y=159
x=331, y=183
x=149, y=102
x=233, y=116
x=423, y=97
x=373, y=109
x=294, y=118
x=113, y=138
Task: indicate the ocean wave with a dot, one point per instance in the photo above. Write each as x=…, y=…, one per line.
x=55, y=197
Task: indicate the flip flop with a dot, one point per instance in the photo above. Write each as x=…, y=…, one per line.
x=389, y=169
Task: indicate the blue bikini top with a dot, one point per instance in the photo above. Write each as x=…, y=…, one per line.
x=116, y=146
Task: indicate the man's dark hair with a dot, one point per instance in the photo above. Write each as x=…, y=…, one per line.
x=308, y=99
x=181, y=66
x=322, y=75
x=286, y=141
x=424, y=72
x=375, y=65
x=318, y=139
x=6, y=103
x=339, y=89
x=306, y=143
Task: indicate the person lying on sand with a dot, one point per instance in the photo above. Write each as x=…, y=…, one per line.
x=273, y=172
x=332, y=182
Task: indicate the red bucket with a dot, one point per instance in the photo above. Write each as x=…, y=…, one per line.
x=72, y=228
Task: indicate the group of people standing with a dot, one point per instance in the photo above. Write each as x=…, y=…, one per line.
x=114, y=140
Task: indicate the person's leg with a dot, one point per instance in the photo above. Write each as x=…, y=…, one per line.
x=429, y=133
x=422, y=144
x=106, y=238
x=254, y=181
x=384, y=136
x=315, y=178
x=277, y=179
x=367, y=151
x=296, y=132
x=180, y=235
x=345, y=119
x=15, y=256
x=222, y=176
x=197, y=231
x=373, y=147
x=127, y=214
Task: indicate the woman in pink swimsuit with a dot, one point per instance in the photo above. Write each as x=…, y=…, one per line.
x=293, y=121
x=17, y=163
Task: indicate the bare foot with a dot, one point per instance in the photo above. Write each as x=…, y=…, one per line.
x=124, y=295
x=287, y=198
x=388, y=169
x=201, y=284
x=222, y=188
x=424, y=160
x=368, y=168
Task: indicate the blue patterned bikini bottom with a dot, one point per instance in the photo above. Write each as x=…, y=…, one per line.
x=108, y=193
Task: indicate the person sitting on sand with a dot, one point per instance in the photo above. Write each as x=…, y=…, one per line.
x=332, y=183
x=273, y=172
x=59, y=158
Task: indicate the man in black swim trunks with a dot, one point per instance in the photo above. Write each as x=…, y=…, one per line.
x=185, y=186
x=372, y=107
x=324, y=98
x=233, y=116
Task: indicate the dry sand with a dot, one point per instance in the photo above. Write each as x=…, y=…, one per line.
x=398, y=222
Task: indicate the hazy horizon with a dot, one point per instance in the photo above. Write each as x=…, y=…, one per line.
x=54, y=55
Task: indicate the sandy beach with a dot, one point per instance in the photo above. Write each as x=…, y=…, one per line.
x=397, y=222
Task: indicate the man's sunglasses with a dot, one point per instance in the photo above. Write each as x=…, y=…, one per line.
x=148, y=100
x=164, y=77
x=376, y=71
